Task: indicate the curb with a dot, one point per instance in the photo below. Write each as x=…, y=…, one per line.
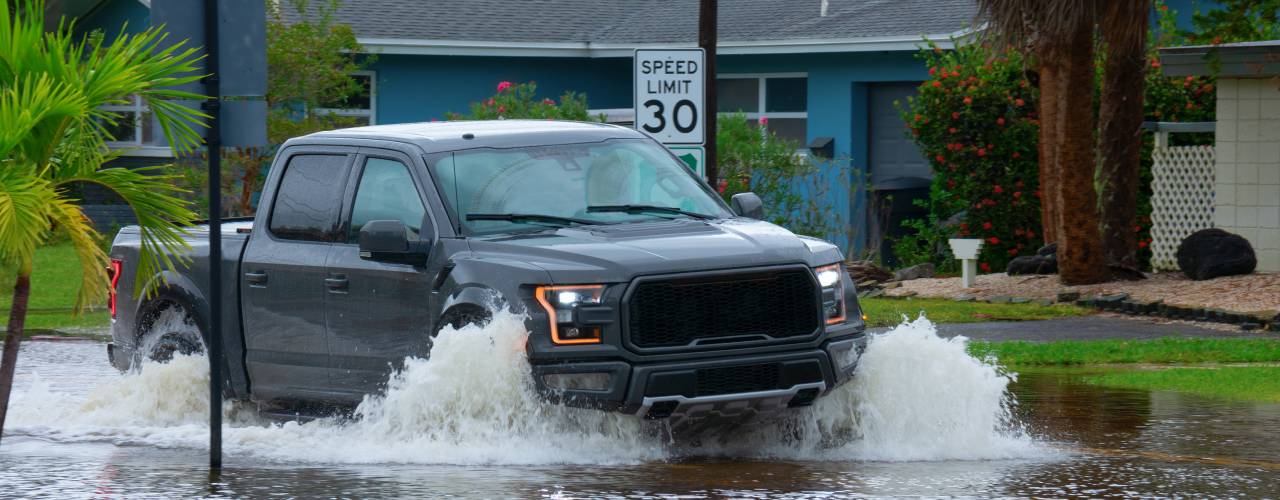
x=1121, y=303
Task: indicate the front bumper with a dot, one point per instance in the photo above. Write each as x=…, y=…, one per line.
x=707, y=386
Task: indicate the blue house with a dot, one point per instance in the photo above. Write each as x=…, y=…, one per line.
x=813, y=68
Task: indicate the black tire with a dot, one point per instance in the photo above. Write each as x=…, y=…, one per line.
x=170, y=329
x=461, y=316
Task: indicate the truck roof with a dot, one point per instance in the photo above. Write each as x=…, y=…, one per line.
x=455, y=135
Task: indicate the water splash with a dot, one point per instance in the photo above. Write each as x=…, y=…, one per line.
x=915, y=396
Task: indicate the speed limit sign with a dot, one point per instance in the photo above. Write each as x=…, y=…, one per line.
x=669, y=94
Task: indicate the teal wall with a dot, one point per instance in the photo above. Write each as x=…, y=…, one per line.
x=423, y=88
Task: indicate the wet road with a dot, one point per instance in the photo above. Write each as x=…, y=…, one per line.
x=1089, y=442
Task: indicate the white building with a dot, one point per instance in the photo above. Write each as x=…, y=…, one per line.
x=1246, y=198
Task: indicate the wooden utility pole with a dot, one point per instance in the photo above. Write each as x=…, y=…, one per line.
x=707, y=40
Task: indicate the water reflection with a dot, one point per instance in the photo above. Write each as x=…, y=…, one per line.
x=1135, y=444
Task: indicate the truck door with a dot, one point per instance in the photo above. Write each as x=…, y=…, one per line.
x=282, y=286
x=378, y=313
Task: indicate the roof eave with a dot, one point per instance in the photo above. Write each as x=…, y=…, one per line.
x=1245, y=60
x=592, y=50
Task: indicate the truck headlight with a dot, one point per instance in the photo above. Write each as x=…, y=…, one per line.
x=833, y=306
x=559, y=303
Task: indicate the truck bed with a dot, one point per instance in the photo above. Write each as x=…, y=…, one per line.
x=187, y=285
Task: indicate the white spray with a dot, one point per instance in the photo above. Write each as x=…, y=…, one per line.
x=915, y=396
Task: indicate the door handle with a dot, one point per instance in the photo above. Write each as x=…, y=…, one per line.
x=258, y=278
x=336, y=284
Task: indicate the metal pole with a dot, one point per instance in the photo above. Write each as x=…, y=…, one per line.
x=707, y=40
x=213, y=142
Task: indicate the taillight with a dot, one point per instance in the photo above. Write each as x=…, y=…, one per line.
x=113, y=273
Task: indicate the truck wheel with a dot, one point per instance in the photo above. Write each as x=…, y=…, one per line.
x=171, y=331
x=461, y=316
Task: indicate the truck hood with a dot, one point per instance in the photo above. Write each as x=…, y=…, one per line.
x=617, y=253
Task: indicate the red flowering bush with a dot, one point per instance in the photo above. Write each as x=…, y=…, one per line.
x=974, y=119
x=520, y=100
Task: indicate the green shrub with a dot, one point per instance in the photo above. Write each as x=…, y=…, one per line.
x=795, y=188
x=520, y=100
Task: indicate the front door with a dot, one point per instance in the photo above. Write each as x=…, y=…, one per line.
x=282, y=278
x=377, y=312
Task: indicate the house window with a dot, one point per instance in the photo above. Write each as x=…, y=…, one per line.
x=132, y=127
x=780, y=98
x=361, y=105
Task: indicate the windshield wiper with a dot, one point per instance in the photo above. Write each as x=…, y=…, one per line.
x=636, y=209
x=536, y=218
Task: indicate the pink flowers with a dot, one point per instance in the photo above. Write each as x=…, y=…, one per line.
x=503, y=86
x=764, y=121
x=549, y=102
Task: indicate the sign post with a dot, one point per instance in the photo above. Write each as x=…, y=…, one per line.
x=670, y=96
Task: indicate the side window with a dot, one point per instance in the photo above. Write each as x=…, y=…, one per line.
x=309, y=198
x=386, y=192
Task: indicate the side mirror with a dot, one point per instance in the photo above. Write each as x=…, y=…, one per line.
x=748, y=205
x=388, y=241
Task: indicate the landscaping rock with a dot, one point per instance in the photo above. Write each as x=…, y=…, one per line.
x=1113, y=298
x=891, y=285
x=999, y=299
x=1045, y=302
x=1210, y=253
x=874, y=293
x=1068, y=296
x=1250, y=326
x=1032, y=264
x=965, y=298
x=1049, y=250
x=1019, y=300
x=925, y=270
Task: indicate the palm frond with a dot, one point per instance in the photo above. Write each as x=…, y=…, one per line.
x=162, y=216
x=70, y=220
x=25, y=200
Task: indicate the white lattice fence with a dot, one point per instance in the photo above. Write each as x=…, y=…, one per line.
x=1181, y=199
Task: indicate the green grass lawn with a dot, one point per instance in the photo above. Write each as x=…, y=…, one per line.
x=55, y=278
x=1159, y=351
x=1245, y=383
x=889, y=312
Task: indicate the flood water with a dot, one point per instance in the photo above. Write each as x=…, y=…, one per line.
x=921, y=419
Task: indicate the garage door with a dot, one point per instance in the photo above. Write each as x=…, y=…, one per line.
x=899, y=173
x=895, y=159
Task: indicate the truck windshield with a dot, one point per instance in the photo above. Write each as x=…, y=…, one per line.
x=519, y=189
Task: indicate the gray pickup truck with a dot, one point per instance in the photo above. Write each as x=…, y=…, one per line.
x=644, y=292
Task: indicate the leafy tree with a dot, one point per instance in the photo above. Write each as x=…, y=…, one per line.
x=309, y=68
x=55, y=135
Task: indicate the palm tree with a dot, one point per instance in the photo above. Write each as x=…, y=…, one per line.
x=1060, y=34
x=54, y=134
x=1123, y=26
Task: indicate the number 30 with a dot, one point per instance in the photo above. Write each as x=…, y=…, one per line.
x=659, y=113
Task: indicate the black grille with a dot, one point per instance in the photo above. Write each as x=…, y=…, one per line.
x=735, y=379
x=676, y=312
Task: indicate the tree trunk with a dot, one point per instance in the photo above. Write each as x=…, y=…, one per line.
x=9, y=361
x=1081, y=259
x=1120, y=121
x=1048, y=153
